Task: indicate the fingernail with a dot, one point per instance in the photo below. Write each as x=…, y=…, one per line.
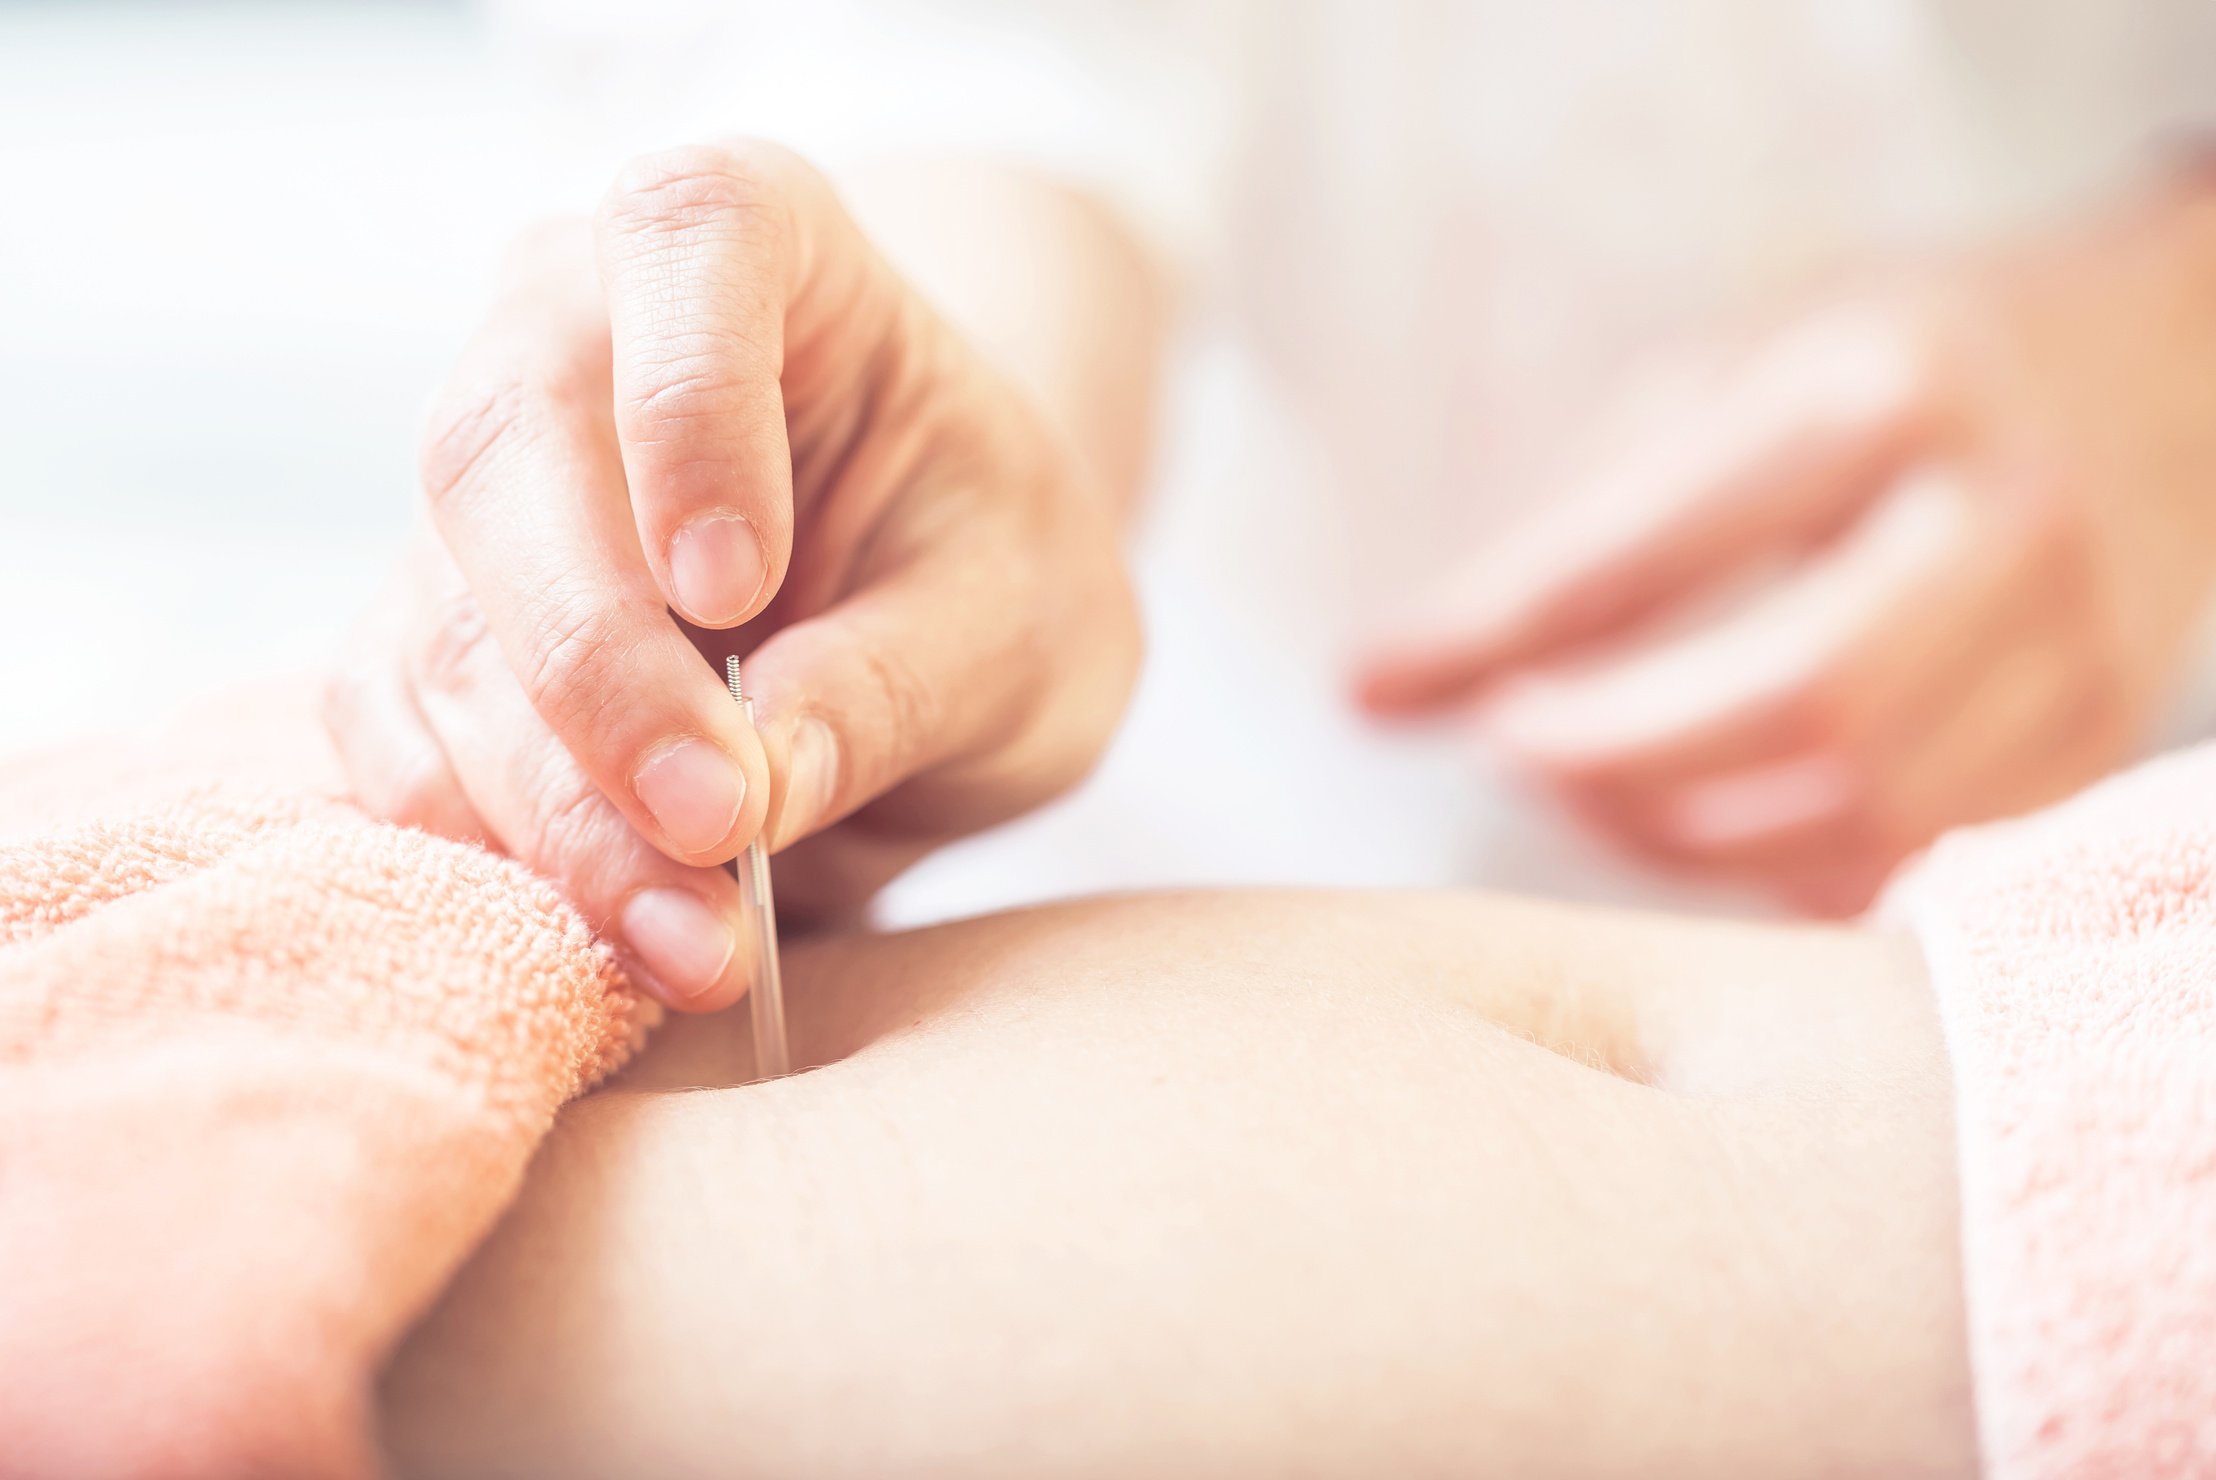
x=679, y=940
x=694, y=791
x=813, y=781
x=717, y=567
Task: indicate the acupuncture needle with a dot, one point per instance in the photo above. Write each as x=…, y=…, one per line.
x=767, y=996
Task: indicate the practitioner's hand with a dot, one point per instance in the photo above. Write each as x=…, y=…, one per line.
x=718, y=399
x=1930, y=556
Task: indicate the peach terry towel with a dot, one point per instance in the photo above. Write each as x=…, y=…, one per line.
x=268, y=1072
x=2074, y=955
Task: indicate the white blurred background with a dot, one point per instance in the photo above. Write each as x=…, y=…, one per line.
x=239, y=244
x=240, y=241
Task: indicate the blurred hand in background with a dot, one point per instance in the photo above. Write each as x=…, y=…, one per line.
x=720, y=401
x=1931, y=555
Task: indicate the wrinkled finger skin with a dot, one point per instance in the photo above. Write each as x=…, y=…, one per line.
x=436, y=733
x=713, y=421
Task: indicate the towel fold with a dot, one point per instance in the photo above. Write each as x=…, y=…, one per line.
x=2074, y=956
x=268, y=1072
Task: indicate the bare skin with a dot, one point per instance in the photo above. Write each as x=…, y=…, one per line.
x=1244, y=1184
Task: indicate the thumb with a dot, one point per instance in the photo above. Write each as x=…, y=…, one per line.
x=922, y=686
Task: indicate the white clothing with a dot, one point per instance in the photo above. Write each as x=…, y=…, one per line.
x=1425, y=241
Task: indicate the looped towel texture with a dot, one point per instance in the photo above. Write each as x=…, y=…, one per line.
x=2074, y=956
x=268, y=1072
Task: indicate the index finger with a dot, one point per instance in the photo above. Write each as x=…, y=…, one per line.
x=715, y=262
x=520, y=474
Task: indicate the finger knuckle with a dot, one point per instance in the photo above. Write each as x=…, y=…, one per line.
x=911, y=713
x=691, y=382
x=568, y=822
x=452, y=646
x=565, y=828
x=396, y=776
x=470, y=429
x=698, y=187
x=779, y=171
x=576, y=666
